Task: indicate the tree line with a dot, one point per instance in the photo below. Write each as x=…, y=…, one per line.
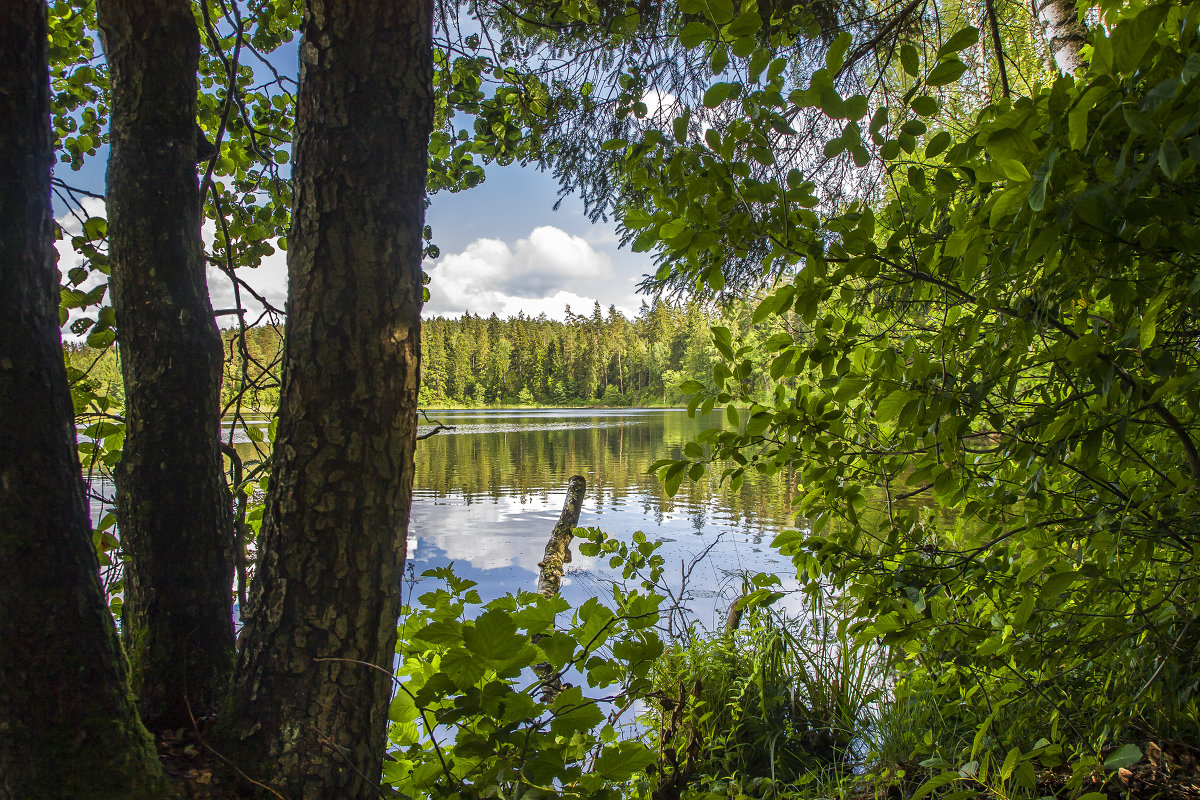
x=601, y=358
x=604, y=358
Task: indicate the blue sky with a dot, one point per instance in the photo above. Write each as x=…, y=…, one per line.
x=504, y=249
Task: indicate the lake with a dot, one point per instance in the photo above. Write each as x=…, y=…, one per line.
x=487, y=494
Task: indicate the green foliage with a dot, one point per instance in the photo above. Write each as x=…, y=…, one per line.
x=484, y=706
x=769, y=706
x=1004, y=329
x=1009, y=335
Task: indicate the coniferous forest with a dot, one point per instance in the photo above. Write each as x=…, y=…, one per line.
x=603, y=358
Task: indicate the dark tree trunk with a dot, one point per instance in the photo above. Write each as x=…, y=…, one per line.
x=313, y=683
x=68, y=726
x=172, y=504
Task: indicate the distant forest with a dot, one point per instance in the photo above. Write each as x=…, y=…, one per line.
x=603, y=358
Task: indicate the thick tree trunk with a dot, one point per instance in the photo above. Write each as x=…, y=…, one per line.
x=313, y=683
x=68, y=726
x=172, y=504
x=1065, y=34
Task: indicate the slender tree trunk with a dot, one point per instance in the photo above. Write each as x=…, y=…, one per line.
x=314, y=679
x=68, y=726
x=1065, y=34
x=172, y=504
x=979, y=61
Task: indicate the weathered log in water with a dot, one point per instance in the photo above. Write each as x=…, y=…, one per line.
x=557, y=555
x=558, y=549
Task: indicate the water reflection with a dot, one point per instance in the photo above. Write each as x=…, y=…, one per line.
x=488, y=493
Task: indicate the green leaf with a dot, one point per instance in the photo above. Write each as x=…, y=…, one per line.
x=1169, y=158
x=910, y=60
x=669, y=230
x=745, y=25
x=834, y=147
x=890, y=407
x=1054, y=585
x=1126, y=756
x=1041, y=181
x=719, y=11
x=879, y=119
x=1011, y=149
x=695, y=33
x=937, y=144
x=493, y=637
x=836, y=55
x=925, y=105
x=637, y=218
x=946, y=72
x=1132, y=37
x=440, y=633
x=719, y=60
x=463, y=670
x=95, y=228
x=1148, y=328
x=1077, y=117
x=718, y=93
x=832, y=103
x=961, y=40
x=1010, y=763
x=715, y=278
x=101, y=339
x=620, y=761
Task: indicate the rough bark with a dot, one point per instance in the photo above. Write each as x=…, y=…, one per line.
x=173, y=507
x=1065, y=34
x=313, y=684
x=68, y=726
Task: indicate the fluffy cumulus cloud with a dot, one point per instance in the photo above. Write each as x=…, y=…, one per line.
x=269, y=279
x=541, y=273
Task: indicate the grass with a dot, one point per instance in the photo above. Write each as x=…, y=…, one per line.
x=783, y=704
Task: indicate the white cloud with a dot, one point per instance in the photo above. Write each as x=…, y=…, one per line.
x=72, y=225
x=508, y=531
x=541, y=273
x=661, y=107
x=268, y=279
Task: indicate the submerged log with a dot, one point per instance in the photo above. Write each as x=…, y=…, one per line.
x=557, y=555
x=558, y=549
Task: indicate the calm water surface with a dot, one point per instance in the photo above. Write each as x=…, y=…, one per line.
x=488, y=493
